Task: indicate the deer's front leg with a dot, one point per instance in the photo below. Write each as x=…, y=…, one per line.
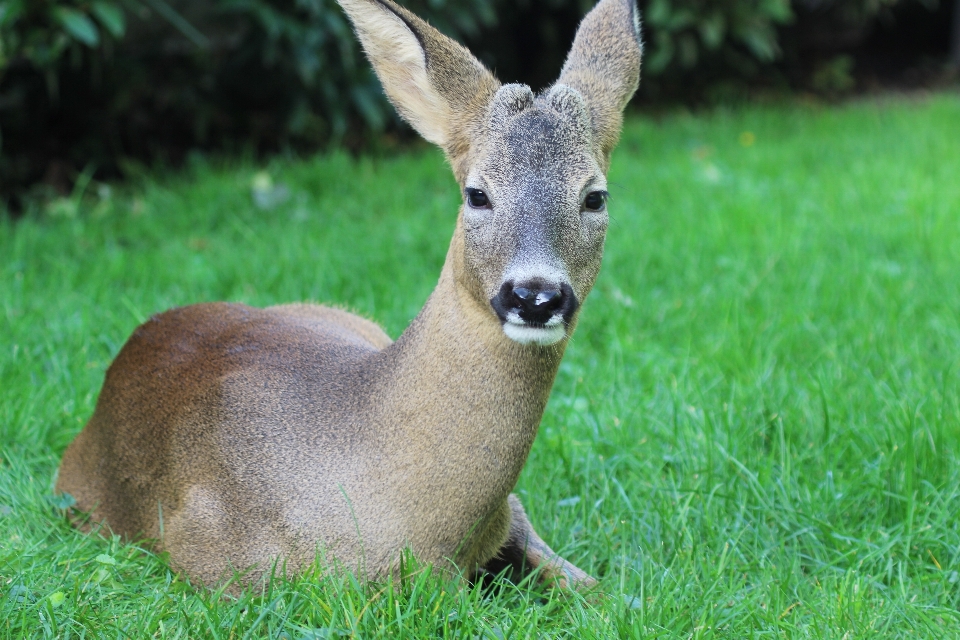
x=525, y=551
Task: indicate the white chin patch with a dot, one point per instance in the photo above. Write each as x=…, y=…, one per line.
x=525, y=334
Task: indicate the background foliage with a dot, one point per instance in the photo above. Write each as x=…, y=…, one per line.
x=108, y=85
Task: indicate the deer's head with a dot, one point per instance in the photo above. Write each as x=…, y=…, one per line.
x=532, y=167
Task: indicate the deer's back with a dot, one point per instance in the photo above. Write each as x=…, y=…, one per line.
x=211, y=420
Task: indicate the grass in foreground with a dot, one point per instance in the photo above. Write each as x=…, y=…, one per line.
x=755, y=433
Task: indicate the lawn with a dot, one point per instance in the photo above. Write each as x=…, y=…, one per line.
x=755, y=432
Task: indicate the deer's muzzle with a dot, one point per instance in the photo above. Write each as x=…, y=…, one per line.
x=535, y=312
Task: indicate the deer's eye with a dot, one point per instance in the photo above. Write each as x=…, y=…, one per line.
x=595, y=201
x=477, y=198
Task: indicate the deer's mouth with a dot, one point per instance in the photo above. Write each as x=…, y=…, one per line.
x=542, y=333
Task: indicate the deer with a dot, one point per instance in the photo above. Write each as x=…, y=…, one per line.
x=234, y=437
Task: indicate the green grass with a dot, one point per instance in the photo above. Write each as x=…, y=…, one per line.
x=755, y=433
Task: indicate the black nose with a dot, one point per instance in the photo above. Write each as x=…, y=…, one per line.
x=535, y=302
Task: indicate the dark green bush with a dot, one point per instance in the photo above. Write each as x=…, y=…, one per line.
x=186, y=75
x=38, y=40
x=698, y=47
x=41, y=32
x=684, y=32
x=101, y=86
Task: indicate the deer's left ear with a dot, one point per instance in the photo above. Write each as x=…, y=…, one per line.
x=604, y=66
x=435, y=84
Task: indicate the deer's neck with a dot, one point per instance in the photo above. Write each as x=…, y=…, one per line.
x=461, y=402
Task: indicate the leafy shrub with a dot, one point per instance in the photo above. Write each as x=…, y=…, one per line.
x=698, y=47
x=102, y=85
x=683, y=32
x=37, y=39
x=187, y=74
x=327, y=82
x=41, y=32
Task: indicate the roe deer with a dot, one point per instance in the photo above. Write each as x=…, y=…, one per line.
x=235, y=436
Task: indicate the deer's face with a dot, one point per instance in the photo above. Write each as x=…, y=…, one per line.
x=532, y=169
x=534, y=215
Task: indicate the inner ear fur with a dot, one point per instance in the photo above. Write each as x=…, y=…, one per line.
x=435, y=83
x=604, y=66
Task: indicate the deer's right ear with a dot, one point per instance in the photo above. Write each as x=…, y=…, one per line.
x=435, y=83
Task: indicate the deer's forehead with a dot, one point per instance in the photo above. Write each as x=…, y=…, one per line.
x=539, y=144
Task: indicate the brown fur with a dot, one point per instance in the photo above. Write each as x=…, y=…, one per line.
x=235, y=436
